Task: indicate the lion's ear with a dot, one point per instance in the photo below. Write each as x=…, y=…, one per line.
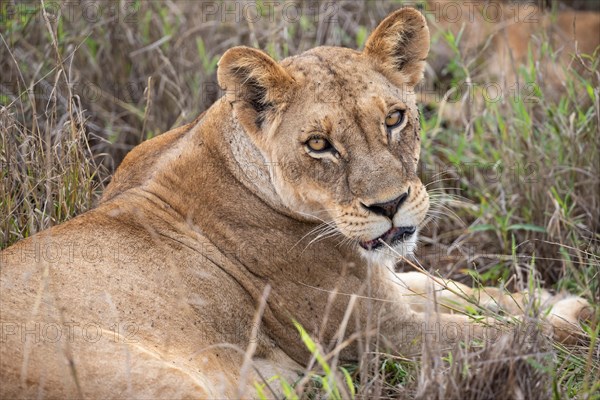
x=254, y=84
x=399, y=45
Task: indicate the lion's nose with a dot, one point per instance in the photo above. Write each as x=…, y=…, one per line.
x=389, y=208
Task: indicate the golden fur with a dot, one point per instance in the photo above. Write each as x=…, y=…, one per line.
x=496, y=39
x=501, y=35
x=156, y=290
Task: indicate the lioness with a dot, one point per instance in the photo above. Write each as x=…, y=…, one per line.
x=289, y=200
x=496, y=39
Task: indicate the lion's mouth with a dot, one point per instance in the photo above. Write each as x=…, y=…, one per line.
x=391, y=237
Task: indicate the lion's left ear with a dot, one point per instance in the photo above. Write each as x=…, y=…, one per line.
x=255, y=84
x=399, y=46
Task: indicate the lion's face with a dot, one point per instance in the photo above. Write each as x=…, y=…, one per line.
x=346, y=150
x=340, y=130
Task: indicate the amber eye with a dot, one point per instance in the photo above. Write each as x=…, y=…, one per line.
x=318, y=144
x=394, y=118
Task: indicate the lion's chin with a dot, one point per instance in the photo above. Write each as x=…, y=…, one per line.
x=389, y=255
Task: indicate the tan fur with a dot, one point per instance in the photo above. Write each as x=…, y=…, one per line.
x=169, y=270
x=512, y=30
x=496, y=39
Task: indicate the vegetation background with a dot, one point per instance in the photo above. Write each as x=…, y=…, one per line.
x=515, y=184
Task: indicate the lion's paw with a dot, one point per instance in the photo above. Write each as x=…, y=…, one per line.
x=566, y=316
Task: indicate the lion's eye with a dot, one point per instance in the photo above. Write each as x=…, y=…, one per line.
x=318, y=144
x=394, y=118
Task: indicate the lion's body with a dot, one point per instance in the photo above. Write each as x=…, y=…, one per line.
x=138, y=166
x=156, y=293
x=124, y=298
x=502, y=36
x=137, y=262
x=512, y=50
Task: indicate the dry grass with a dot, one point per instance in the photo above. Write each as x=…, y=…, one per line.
x=82, y=84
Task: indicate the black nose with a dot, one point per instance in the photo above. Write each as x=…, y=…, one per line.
x=388, y=209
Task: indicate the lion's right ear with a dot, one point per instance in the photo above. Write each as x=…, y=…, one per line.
x=254, y=83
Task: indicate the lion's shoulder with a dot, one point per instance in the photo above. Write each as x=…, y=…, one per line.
x=141, y=162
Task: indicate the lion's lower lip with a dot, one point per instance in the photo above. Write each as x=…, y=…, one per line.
x=390, y=237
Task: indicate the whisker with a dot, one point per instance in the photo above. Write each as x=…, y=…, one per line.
x=440, y=180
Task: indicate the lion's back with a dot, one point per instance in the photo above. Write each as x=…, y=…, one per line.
x=98, y=299
x=141, y=162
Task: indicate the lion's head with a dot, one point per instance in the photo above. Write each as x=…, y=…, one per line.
x=340, y=129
